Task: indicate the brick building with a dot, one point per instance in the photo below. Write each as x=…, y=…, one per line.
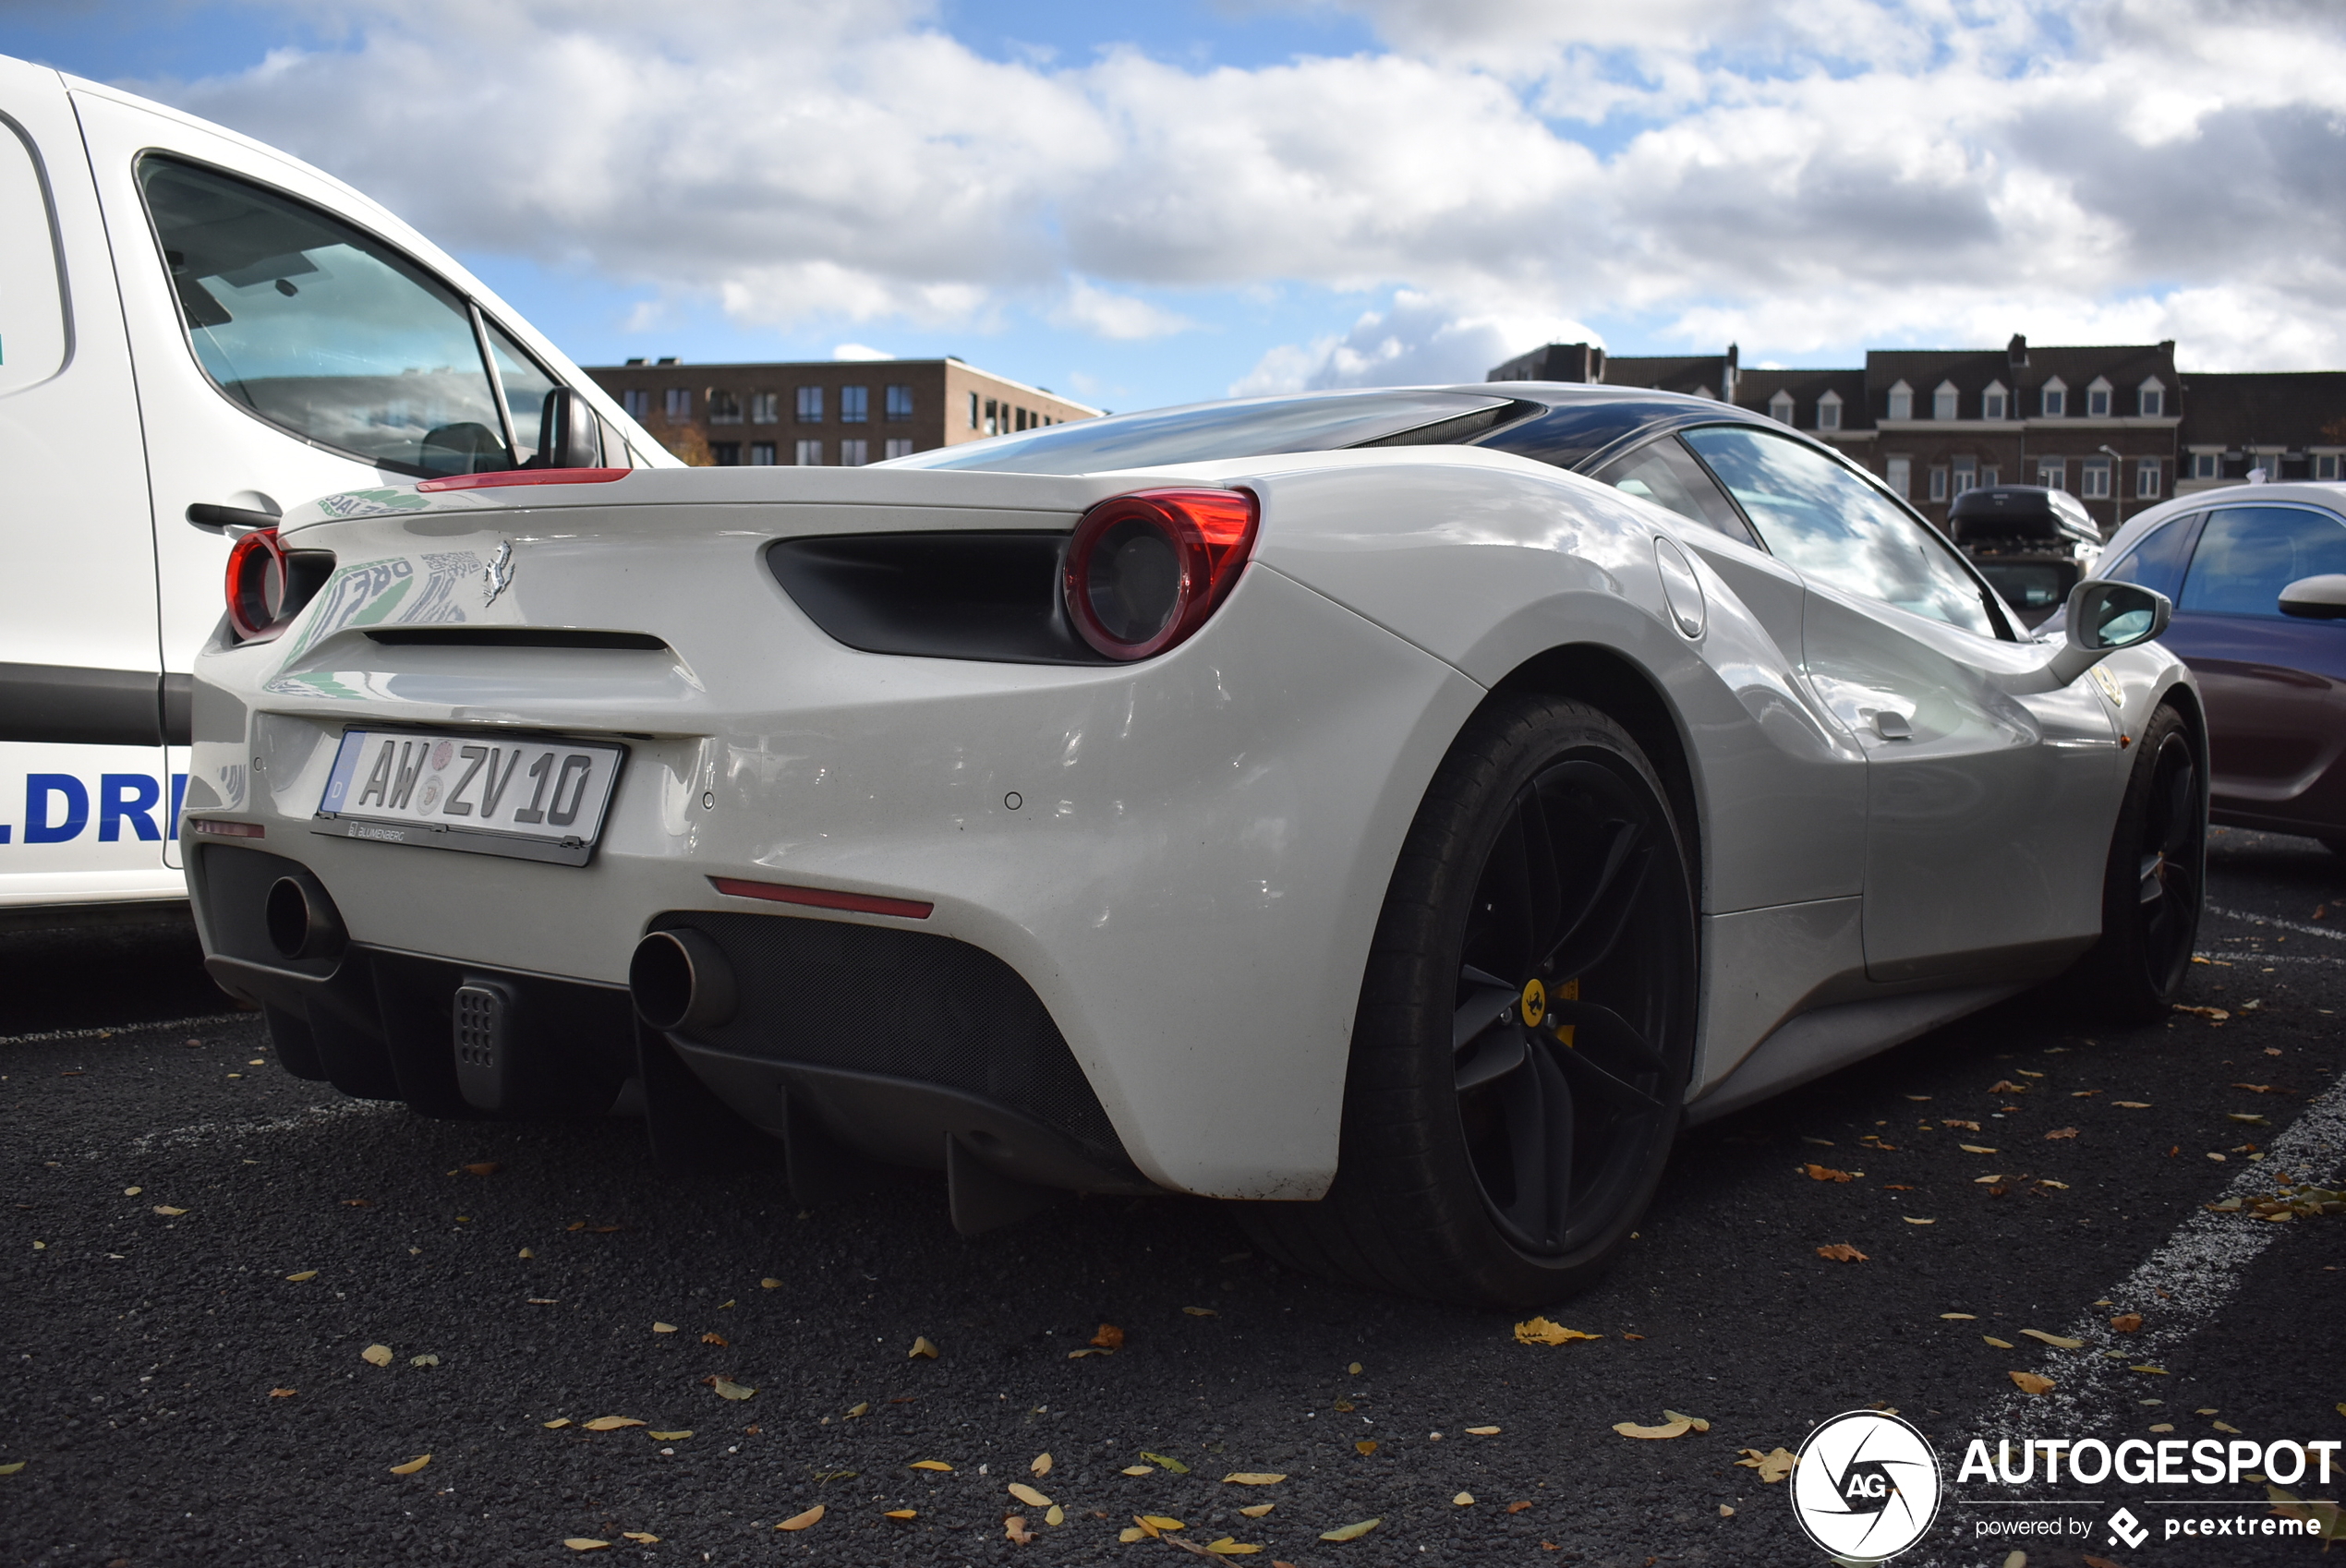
x=836, y=412
x=2290, y=423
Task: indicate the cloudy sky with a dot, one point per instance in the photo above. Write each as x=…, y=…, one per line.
x=1148, y=203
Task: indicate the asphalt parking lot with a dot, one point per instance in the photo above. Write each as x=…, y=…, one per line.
x=235, y=1305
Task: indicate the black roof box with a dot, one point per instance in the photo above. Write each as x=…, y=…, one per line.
x=2020, y=511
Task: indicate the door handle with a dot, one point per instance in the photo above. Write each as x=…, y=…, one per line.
x=220, y=519
x=1892, y=725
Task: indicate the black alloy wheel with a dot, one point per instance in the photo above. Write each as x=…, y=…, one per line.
x=2156, y=881
x=1525, y=1026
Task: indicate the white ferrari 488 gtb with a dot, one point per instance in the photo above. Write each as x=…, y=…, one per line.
x=1398, y=813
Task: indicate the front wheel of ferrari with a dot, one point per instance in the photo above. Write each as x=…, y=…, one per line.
x=1526, y=1024
x=2156, y=879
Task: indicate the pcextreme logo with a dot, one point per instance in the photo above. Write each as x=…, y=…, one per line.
x=1867, y=1487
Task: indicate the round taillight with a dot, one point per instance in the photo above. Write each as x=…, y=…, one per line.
x=257, y=583
x=1145, y=570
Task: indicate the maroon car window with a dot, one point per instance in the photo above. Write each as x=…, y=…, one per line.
x=2158, y=562
x=2248, y=554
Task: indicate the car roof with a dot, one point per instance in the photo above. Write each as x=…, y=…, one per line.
x=1583, y=426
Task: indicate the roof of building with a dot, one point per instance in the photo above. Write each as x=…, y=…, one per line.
x=1758, y=388
x=2291, y=408
x=1701, y=374
x=2021, y=367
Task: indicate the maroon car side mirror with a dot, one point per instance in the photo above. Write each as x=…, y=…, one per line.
x=2316, y=598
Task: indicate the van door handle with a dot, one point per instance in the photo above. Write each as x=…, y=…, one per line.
x=220, y=519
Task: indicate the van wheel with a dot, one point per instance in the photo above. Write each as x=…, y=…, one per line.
x=1526, y=1025
x=2155, y=882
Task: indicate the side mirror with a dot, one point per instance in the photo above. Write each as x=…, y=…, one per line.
x=2316, y=598
x=2103, y=617
x=569, y=436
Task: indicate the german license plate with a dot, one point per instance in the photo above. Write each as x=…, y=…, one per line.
x=537, y=798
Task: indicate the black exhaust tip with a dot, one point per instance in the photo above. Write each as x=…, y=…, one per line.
x=680, y=980
x=302, y=920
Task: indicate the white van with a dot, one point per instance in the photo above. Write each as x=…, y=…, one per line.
x=197, y=331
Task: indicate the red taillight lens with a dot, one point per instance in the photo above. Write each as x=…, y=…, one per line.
x=257, y=583
x=501, y=476
x=1145, y=570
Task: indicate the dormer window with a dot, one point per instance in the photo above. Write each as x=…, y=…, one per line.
x=1828, y=412
x=2098, y=399
x=1942, y=402
x=1995, y=403
x=1902, y=402
x=2056, y=399
x=2150, y=398
x=1780, y=407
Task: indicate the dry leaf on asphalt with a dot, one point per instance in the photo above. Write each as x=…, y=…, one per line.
x=1156, y=1523
x=670, y=1436
x=1139, y=1470
x=663, y=1328
x=412, y=1466
x=1772, y=1467
x=1483, y=1431
x=557, y=1422
x=1960, y=1317
x=1055, y=1515
x=921, y=1347
x=1696, y=1422
x=2030, y=1382
x=483, y=1167
x=1676, y=1429
x=1350, y=1532
x=1015, y=1528
x=1132, y=1532
x=1201, y=1311
x=1975, y=1149
x=1039, y=1466
x=611, y=1423
x=1518, y=1507
x=1538, y=1331
x=1912, y=1221
x=1998, y=1344
x=801, y=1521
x=281, y=1393
x=641, y=1537
x=429, y=1358
x=1825, y=1173
x=1256, y=1477
x=1464, y=1499
x=2127, y=1322
x=1725, y=1511
x=1841, y=1252
x=901, y=1514
x=2070, y=1132
x=1173, y=1464
x=2041, y=1337
x=1256, y=1510
x=2132, y=1104
x=769, y=1282
x=306, y=1274
x=1110, y=1337
x=728, y=1389
x=1028, y=1495
x=1365, y=1446
x=1226, y=1546
x=1080, y=1355
x=584, y=1543
x=167, y=1209
x=376, y=1355
x=2327, y=1517
x=930, y=1464
x=2006, y=1086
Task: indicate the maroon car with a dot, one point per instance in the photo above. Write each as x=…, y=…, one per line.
x=2258, y=577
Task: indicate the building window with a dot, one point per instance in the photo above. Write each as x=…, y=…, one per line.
x=2148, y=474
x=899, y=446
x=1995, y=403
x=899, y=404
x=761, y=455
x=810, y=405
x=724, y=408
x=1967, y=474
x=764, y=408
x=2052, y=473
x=854, y=454
x=2207, y=465
x=810, y=454
x=2150, y=400
x=1900, y=471
x=972, y=411
x=638, y=402
x=2324, y=465
x=2094, y=481
x=1780, y=407
x=680, y=403
x=1990, y=477
x=1828, y=412
x=993, y=417
x=854, y=405
x=1902, y=402
x=2056, y=400
x=1939, y=484
x=2097, y=400
x=1944, y=401
x=725, y=454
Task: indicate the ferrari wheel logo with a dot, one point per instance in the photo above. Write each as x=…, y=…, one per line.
x=1535, y=1002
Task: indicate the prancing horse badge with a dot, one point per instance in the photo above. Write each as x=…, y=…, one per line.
x=500, y=575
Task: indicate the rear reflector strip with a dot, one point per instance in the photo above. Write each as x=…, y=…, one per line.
x=822, y=898
x=217, y=829
x=523, y=476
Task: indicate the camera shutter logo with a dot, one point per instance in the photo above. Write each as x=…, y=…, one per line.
x=1868, y=1486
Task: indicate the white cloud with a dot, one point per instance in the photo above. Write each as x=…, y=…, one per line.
x=1802, y=178
x=859, y=351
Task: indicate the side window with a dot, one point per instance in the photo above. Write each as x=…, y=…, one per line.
x=32, y=302
x=2248, y=554
x=327, y=331
x=2158, y=562
x=525, y=385
x=1662, y=473
x=1829, y=525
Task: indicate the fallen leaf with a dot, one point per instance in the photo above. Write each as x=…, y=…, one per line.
x=1696, y=1422
x=2225, y=1427
x=1015, y=1527
x=2132, y=1104
x=1538, y=1331
x=641, y=1537
x=921, y=1347
x=2041, y=1337
x=801, y=1521
x=670, y=1437
x=1772, y=1467
x=1132, y=1532
x=1975, y=1149
x=1986, y=1180
x=1365, y=1446
x=1821, y=1142
x=1040, y=1466
x=1158, y=1459
x=556, y=1423
x=612, y=1423
x=1350, y=1532
x=1725, y=1511
x=856, y=1410
x=931, y=1465
x=1155, y=1522
x=167, y=1209
x=1518, y=1507
x=429, y=1358
x=2127, y=1322
x=1842, y=1252
x=1110, y=1337
x=1967, y=1127
x=663, y=1328
x=2216, y=1014
x=1912, y=1221
x=1464, y=1499
x=584, y=1543
x=2030, y=1383
x=2252, y=1088
x=1255, y=1478
x=2328, y=1517
x=728, y=1389
x=412, y=1466
x=769, y=1282
x=1028, y=1495
x=1226, y=1546
x=545, y=1301
x=901, y=1514
x=1998, y=1344
x=715, y=1339
x=305, y=1276
x=2006, y=1086
x=1201, y=1311
x=2060, y=1132
x=281, y=1393
x=1354, y=1369
x=1256, y=1510
x=132, y=1191
x=1825, y=1173
x=1139, y=1470
x=1489, y=1432
x=1055, y=1515
x=2246, y=1118
x=1672, y=1430
x=1960, y=1317
x=2155, y=1372
x=1080, y=1355
x=376, y=1355
x=483, y=1167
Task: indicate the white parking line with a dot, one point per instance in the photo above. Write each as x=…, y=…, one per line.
x=2270, y=920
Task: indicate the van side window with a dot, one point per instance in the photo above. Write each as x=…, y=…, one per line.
x=32, y=304
x=325, y=330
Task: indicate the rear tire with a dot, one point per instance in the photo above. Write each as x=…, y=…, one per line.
x=1543, y=892
x=2155, y=881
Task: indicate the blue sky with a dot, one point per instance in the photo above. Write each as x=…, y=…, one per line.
x=1144, y=204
